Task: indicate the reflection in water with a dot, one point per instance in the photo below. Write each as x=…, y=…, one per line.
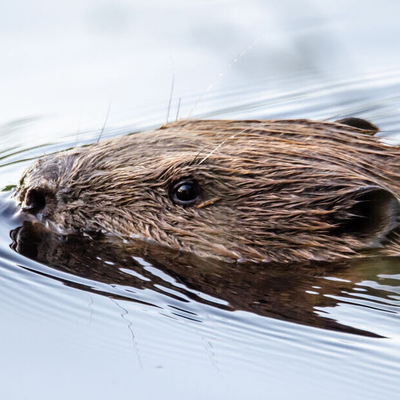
x=304, y=294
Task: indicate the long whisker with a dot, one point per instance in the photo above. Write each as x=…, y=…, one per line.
x=172, y=89
x=220, y=145
x=105, y=122
x=211, y=85
x=215, y=149
x=179, y=106
x=79, y=130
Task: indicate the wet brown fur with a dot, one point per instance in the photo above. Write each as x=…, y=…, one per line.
x=282, y=191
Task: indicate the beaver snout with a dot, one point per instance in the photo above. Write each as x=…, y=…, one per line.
x=35, y=201
x=36, y=192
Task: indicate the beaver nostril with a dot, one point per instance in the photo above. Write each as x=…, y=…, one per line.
x=35, y=201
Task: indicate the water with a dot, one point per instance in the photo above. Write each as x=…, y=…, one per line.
x=81, y=321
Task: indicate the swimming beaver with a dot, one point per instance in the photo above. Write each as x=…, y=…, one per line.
x=279, y=191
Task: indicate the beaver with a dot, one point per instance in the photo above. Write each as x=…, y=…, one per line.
x=241, y=190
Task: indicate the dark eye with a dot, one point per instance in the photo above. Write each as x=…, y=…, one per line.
x=186, y=193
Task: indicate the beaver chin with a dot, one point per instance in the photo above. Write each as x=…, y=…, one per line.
x=279, y=191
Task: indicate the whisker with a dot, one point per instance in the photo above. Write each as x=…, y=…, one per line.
x=105, y=121
x=79, y=130
x=177, y=113
x=229, y=65
x=172, y=89
x=220, y=145
x=215, y=149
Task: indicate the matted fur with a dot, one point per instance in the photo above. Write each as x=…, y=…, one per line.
x=271, y=190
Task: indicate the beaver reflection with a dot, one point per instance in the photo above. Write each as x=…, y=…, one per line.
x=288, y=292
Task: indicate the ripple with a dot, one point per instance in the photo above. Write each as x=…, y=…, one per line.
x=314, y=332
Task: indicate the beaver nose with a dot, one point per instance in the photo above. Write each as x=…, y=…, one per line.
x=35, y=201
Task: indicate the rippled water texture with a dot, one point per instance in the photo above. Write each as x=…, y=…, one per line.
x=82, y=320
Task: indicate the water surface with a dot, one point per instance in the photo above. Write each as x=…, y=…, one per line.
x=82, y=320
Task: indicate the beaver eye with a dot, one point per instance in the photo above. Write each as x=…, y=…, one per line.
x=186, y=193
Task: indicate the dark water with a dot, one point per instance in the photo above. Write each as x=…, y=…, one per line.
x=79, y=317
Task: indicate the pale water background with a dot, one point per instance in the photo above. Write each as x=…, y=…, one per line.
x=62, y=65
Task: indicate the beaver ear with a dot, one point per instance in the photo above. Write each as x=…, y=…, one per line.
x=373, y=215
x=359, y=123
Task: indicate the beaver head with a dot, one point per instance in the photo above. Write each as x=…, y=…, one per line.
x=285, y=191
